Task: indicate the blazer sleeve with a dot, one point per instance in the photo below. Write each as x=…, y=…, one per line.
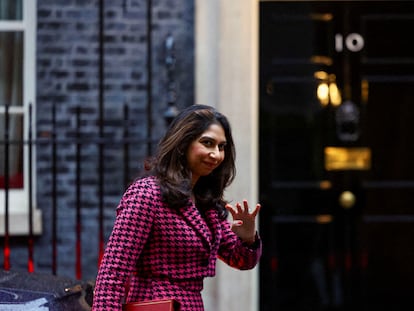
x=130, y=232
x=237, y=254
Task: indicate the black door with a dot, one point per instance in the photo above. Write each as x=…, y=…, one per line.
x=337, y=155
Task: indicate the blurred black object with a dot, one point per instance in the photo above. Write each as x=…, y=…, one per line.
x=34, y=291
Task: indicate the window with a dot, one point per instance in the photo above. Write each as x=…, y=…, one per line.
x=17, y=92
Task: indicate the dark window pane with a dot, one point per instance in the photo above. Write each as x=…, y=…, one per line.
x=11, y=10
x=15, y=151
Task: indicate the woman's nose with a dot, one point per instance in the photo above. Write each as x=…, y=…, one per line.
x=214, y=152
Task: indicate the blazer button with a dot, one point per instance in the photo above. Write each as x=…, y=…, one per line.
x=205, y=262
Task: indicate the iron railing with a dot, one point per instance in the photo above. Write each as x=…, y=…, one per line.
x=80, y=142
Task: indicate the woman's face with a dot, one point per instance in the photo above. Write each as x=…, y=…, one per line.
x=206, y=152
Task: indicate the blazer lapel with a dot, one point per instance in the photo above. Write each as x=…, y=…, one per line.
x=196, y=221
x=212, y=219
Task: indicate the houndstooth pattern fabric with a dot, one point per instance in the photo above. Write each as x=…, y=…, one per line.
x=157, y=252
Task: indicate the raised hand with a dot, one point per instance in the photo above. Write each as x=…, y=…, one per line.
x=244, y=221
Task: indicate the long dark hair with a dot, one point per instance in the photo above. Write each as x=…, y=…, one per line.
x=170, y=164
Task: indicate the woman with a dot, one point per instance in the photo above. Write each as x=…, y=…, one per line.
x=171, y=225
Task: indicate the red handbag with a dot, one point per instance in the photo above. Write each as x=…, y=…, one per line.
x=152, y=305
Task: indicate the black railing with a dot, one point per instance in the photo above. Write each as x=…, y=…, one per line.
x=52, y=140
x=80, y=142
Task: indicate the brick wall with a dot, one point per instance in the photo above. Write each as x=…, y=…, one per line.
x=68, y=78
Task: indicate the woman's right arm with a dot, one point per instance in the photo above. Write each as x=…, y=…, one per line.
x=130, y=231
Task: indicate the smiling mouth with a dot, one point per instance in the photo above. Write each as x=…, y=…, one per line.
x=211, y=165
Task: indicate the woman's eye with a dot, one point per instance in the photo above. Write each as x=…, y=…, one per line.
x=211, y=144
x=207, y=143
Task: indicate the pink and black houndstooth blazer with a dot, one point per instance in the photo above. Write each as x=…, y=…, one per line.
x=158, y=252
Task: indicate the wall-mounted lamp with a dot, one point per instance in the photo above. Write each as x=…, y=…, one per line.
x=170, y=60
x=170, y=113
